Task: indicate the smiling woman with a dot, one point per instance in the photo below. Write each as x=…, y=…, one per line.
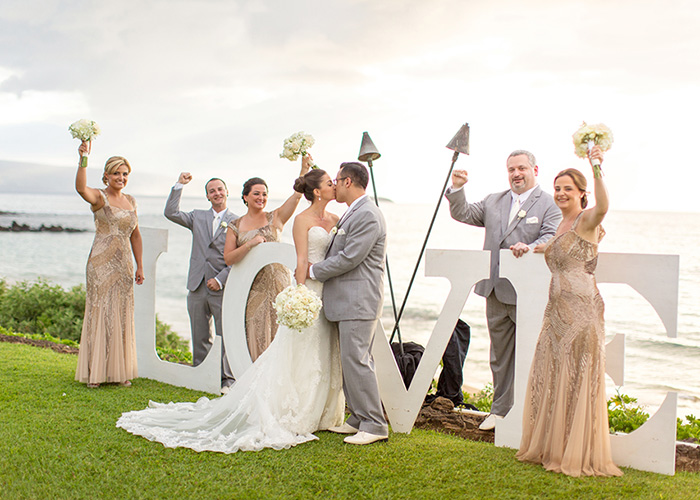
x=107, y=342
x=255, y=227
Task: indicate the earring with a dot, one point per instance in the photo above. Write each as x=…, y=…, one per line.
x=319, y=198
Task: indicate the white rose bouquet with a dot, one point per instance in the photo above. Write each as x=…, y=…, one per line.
x=588, y=136
x=297, y=307
x=86, y=131
x=297, y=144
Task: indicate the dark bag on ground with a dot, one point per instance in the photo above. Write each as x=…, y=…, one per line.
x=408, y=361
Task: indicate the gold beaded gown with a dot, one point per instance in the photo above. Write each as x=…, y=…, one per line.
x=260, y=316
x=565, y=419
x=107, y=342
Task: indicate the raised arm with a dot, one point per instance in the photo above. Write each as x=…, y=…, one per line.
x=593, y=216
x=172, y=206
x=287, y=209
x=91, y=195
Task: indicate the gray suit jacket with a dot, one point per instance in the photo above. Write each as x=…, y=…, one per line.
x=207, y=256
x=538, y=226
x=353, y=270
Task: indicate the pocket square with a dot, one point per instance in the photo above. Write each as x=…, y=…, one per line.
x=531, y=220
x=341, y=231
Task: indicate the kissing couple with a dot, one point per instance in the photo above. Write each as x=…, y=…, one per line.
x=294, y=388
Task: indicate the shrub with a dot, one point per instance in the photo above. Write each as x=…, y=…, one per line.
x=482, y=399
x=43, y=310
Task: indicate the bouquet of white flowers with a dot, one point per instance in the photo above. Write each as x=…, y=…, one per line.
x=86, y=131
x=297, y=307
x=297, y=144
x=588, y=136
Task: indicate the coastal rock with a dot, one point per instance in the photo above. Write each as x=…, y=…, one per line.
x=440, y=415
x=22, y=228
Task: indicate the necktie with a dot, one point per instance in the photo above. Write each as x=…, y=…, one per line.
x=215, y=224
x=514, y=210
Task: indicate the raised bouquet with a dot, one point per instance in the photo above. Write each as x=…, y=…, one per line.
x=297, y=307
x=297, y=144
x=86, y=131
x=588, y=136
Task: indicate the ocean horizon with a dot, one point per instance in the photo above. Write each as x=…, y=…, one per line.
x=654, y=363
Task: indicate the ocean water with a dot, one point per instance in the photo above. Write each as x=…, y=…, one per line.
x=654, y=363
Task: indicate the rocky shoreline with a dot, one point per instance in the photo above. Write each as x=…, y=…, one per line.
x=24, y=228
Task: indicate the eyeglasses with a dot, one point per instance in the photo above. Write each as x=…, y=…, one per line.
x=335, y=182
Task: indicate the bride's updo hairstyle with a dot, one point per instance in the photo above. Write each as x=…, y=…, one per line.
x=579, y=181
x=112, y=165
x=308, y=182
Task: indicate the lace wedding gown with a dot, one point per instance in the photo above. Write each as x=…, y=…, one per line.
x=292, y=390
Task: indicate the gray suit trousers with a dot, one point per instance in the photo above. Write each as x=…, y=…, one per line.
x=202, y=306
x=501, y=321
x=359, y=378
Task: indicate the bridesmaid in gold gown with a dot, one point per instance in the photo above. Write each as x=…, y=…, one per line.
x=565, y=420
x=255, y=227
x=107, y=343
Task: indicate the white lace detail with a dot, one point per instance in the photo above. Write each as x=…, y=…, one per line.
x=292, y=390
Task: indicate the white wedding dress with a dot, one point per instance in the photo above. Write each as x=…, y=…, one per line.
x=292, y=390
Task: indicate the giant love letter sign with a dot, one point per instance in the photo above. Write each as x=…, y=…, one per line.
x=655, y=277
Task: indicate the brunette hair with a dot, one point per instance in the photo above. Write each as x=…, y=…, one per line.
x=248, y=185
x=579, y=181
x=356, y=171
x=308, y=182
x=206, y=185
x=112, y=165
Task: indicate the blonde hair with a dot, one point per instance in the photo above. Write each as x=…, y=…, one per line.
x=112, y=165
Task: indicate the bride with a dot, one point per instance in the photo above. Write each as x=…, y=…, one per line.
x=292, y=390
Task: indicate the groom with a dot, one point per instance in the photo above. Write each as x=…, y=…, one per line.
x=353, y=294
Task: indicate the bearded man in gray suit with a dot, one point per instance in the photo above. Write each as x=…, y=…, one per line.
x=208, y=271
x=353, y=296
x=518, y=219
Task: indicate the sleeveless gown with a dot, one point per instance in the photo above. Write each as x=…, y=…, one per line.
x=292, y=390
x=260, y=316
x=565, y=420
x=107, y=342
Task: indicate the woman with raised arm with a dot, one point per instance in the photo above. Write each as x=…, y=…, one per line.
x=255, y=227
x=107, y=343
x=565, y=419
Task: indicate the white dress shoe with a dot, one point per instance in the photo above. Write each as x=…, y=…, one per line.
x=346, y=428
x=490, y=422
x=365, y=438
x=225, y=389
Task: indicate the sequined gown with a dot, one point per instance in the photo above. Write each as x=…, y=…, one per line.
x=107, y=343
x=292, y=390
x=260, y=316
x=565, y=420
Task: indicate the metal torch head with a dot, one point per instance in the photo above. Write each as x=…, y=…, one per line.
x=368, y=151
x=460, y=142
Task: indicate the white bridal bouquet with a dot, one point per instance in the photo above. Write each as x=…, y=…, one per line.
x=297, y=144
x=85, y=130
x=297, y=307
x=588, y=136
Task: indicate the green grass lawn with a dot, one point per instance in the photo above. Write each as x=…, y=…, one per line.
x=58, y=441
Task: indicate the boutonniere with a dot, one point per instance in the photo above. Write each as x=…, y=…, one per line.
x=522, y=214
x=334, y=230
x=224, y=224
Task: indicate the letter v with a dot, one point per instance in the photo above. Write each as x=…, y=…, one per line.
x=463, y=268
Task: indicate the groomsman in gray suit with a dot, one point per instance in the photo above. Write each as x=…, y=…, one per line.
x=208, y=271
x=353, y=297
x=518, y=219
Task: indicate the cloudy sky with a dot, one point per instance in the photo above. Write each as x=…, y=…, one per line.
x=215, y=86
